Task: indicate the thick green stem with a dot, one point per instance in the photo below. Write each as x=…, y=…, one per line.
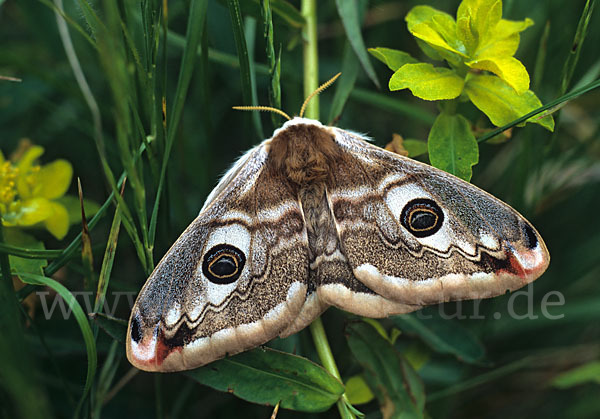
x=326, y=356
x=311, y=57
x=323, y=349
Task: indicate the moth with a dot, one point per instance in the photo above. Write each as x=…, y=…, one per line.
x=317, y=216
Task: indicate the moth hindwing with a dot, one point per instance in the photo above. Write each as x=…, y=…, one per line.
x=317, y=216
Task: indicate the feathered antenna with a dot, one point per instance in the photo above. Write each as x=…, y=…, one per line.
x=282, y=113
x=263, y=108
x=319, y=90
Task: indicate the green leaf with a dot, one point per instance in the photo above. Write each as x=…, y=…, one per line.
x=501, y=103
x=348, y=11
x=267, y=376
x=588, y=373
x=503, y=41
x=415, y=147
x=82, y=321
x=506, y=28
x=505, y=47
x=357, y=390
x=393, y=58
x=427, y=82
x=71, y=203
x=396, y=385
x=15, y=237
x=547, y=107
x=507, y=68
x=478, y=20
x=376, y=324
x=416, y=354
x=452, y=146
x=444, y=336
x=436, y=28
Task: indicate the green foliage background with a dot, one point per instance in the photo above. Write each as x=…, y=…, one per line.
x=470, y=367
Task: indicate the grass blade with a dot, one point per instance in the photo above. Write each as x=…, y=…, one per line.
x=107, y=262
x=249, y=36
x=87, y=257
x=274, y=61
x=69, y=251
x=29, y=253
x=573, y=57
x=195, y=28
x=345, y=84
x=481, y=379
x=17, y=375
x=389, y=104
x=106, y=377
x=244, y=59
x=82, y=321
x=540, y=59
x=348, y=11
x=70, y=21
x=91, y=18
x=569, y=96
x=288, y=12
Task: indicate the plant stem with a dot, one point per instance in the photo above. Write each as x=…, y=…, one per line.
x=311, y=57
x=323, y=349
x=326, y=356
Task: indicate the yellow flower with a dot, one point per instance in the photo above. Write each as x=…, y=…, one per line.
x=28, y=191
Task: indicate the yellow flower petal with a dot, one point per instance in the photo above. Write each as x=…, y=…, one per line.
x=53, y=180
x=33, y=211
x=24, y=165
x=29, y=156
x=58, y=222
